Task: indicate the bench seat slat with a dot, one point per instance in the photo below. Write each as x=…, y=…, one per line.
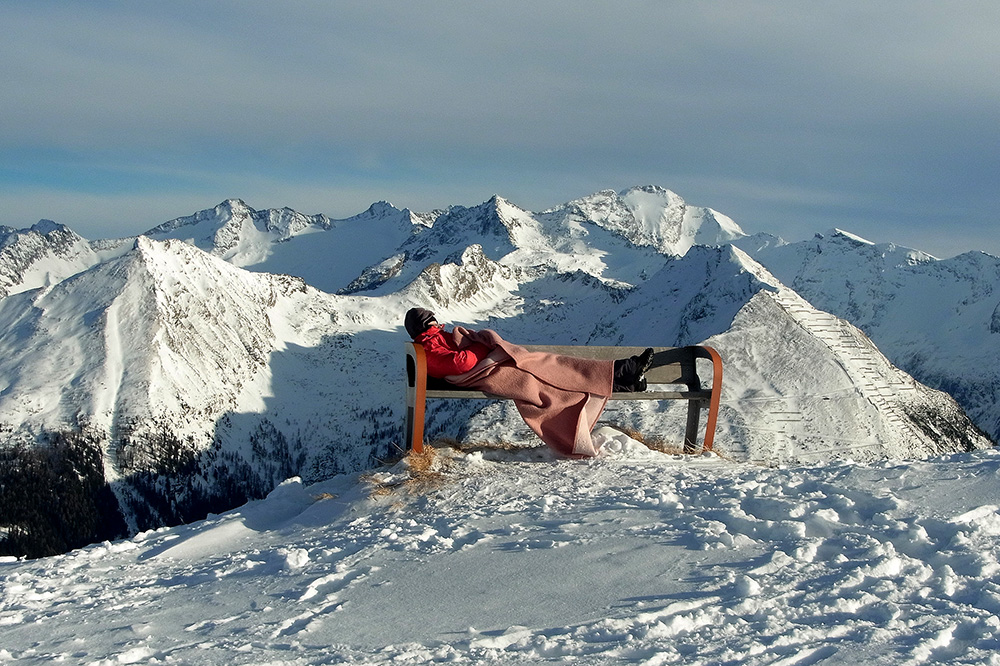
x=663, y=395
x=468, y=394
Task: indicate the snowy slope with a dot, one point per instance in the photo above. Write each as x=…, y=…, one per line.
x=160, y=332
x=937, y=319
x=825, y=392
x=516, y=558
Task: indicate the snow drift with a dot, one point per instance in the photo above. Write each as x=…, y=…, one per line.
x=514, y=557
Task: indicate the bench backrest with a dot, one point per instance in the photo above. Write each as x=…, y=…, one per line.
x=671, y=365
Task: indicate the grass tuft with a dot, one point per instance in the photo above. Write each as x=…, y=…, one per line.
x=653, y=443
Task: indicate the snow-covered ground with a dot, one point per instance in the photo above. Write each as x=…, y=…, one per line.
x=514, y=557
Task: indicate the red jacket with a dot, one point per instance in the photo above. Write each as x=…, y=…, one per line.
x=444, y=358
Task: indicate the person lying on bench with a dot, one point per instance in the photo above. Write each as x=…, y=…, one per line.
x=559, y=397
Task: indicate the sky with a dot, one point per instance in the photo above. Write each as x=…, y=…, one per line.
x=792, y=118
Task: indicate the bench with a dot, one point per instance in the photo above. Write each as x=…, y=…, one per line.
x=671, y=365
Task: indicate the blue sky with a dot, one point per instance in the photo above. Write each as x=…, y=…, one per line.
x=882, y=118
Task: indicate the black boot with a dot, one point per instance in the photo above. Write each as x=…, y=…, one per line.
x=629, y=372
x=645, y=360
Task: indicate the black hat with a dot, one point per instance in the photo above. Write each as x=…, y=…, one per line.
x=417, y=321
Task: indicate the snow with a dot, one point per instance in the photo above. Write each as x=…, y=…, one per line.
x=508, y=555
x=514, y=557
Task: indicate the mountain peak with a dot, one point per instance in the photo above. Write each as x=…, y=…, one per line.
x=654, y=190
x=500, y=203
x=380, y=208
x=210, y=218
x=491, y=220
x=656, y=217
x=47, y=226
x=235, y=206
x=838, y=243
x=40, y=256
x=847, y=235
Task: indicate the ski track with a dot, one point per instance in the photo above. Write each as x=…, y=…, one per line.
x=518, y=558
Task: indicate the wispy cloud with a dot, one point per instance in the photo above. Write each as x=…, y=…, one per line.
x=893, y=105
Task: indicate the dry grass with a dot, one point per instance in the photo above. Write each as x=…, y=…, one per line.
x=423, y=475
x=472, y=447
x=653, y=443
x=427, y=471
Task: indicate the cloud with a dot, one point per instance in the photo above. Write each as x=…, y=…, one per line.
x=894, y=105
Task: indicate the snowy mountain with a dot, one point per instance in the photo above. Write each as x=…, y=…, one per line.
x=42, y=255
x=656, y=217
x=198, y=383
x=322, y=251
x=162, y=330
x=937, y=319
x=176, y=361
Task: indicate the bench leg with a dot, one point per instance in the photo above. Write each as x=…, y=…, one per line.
x=691, y=433
x=416, y=397
x=415, y=413
x=716, y=399
x=415, y=425
x=408, y=432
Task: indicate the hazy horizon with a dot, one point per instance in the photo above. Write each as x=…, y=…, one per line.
x=882, y=120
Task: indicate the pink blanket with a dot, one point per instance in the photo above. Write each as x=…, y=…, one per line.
x=559, y=397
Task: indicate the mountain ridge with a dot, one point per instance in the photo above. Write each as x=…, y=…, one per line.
x=196, y=373
x=932, y=317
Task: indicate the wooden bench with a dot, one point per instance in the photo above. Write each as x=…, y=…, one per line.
x=671, y=365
